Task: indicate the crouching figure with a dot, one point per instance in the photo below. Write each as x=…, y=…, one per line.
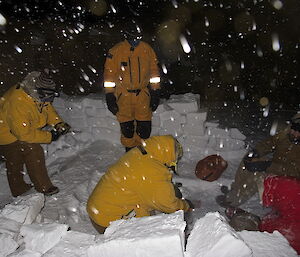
x=282, y=194
x=137, y=184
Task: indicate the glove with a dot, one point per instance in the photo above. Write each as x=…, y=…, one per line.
x=55, y=134
x=62, y=127
x=112, y=103
x=154, y=101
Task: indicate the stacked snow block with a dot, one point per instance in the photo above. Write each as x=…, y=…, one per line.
x=179, y=116
x=213, y=236
x=15, y=215
x=160, y=235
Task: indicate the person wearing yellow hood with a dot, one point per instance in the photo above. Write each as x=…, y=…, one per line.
x=138, y=183
x=25, y=109
x=132, y=85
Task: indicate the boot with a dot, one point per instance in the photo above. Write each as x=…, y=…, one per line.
x=128, y=149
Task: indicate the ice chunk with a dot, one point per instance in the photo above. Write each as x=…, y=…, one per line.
x=42, y=237
x=59, y=103
x=184, y=103
x=225, y=144
x=24, y=209
x=212, y=236
x=73, y=244
x=75, y=111
x=155, y=131
x=266, y=244
x=7, y=244
x=236, y=134
x=78, y=123
x=160, y=109
x=150, y=238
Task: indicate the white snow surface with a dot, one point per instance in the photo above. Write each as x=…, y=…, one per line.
x=77, y=161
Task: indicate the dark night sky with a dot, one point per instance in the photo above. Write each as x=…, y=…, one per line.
x=232, y=43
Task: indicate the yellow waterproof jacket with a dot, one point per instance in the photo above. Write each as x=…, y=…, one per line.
x=130, y=68
x=286, y=157
x=139, y=182
x=22, y=118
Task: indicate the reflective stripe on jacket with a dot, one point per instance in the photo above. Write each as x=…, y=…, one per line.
x=22, y=118
x=130, y=68
x=139, y=182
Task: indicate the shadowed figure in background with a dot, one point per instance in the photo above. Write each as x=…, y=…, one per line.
x=139, y=183
x=132, y=83
x=25, y=109
x=285, y=161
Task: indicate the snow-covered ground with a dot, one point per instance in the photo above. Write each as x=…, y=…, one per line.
x=78, y=160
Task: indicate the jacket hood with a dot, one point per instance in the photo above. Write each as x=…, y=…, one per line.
x=161, y=148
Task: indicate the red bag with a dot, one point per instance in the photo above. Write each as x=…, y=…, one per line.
x=211, y=167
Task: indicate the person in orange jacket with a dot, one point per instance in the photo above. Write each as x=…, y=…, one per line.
x=25, y=109
x=131, y=84
x=138, y=183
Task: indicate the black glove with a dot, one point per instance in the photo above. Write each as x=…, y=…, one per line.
x=55, y=134
x=62, y=127
x=154, y=101
x=112, y=103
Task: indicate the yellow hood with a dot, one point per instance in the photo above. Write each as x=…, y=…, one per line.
x=161, y=148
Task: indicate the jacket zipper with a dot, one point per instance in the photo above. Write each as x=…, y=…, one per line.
x=139, y=70
x=130, y=71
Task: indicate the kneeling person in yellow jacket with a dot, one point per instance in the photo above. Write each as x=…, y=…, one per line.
x=25, y=109
x=138, y=183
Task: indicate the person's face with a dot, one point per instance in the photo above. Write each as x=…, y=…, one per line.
x=294, y=136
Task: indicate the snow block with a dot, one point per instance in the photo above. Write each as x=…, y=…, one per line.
x=73, y=244
x=265, y=244
x=193, y=129
x=169, y=115
x=161, y=108
x=199, y=141
x=106, y=134
x=9, y=227
x=212, y=236
x=155, y=121
x=113, y=124
x=217, y=132
x=7, y=245
x=236, y=134
x=155, y=131
x=59, y=103
x=95, y=112
x=196, y=118
x=210, y=124
x=160, y=236
x=78, y=123
x=24, y=209
x=184, y=103
x=97, y=122
x=93, y=101
x=171, y=127
x=225, y=144
x=25, y=253
x=42, y=237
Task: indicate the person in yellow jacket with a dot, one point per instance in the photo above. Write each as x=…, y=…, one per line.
x=138, y=183
x=25, y=109
x=131, y=84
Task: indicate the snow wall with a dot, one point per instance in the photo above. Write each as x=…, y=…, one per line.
x=180, y=116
